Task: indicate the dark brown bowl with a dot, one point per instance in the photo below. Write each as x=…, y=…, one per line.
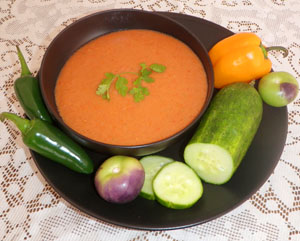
x=90, y=27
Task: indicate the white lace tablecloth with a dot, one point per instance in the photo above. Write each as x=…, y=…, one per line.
x=31, y=210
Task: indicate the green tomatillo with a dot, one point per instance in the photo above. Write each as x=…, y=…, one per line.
x=278, y=88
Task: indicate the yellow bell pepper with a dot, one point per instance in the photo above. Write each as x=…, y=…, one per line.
x=240, y=58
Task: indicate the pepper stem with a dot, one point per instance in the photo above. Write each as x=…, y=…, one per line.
x=278, y=48
x=25, y=69
x=22, y=124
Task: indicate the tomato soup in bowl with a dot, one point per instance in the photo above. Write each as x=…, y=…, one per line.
x=132, y=90
x=175, y=96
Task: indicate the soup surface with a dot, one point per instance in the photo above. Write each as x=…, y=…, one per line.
x=175, y=97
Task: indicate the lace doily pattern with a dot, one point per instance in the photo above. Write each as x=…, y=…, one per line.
x=29, y=207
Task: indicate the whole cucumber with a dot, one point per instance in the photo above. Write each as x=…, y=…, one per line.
x=225, y=133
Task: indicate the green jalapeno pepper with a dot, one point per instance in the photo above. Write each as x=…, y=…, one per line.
x=28, y=93
x=49, y=141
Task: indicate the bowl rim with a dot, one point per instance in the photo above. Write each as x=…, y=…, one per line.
x=58, y=119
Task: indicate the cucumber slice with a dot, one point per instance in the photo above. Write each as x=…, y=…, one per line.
x=177, y=186
x=211, y=162
x=152, y=164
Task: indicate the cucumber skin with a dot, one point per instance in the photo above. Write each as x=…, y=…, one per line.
x=231, y=120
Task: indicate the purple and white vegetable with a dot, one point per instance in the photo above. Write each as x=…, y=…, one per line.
x=119, y=179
